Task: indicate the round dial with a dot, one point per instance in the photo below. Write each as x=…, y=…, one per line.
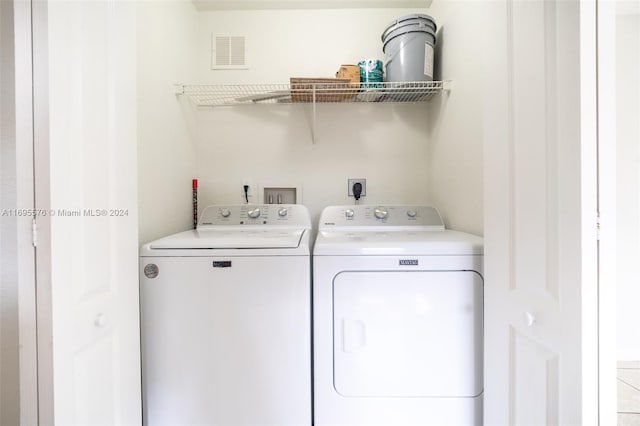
x=254, y=213
x=225, y=212
x=349, y=213
x=412, y=213
x=380, y=213
x=282, y=212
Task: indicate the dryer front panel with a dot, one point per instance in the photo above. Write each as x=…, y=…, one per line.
x=408, y=333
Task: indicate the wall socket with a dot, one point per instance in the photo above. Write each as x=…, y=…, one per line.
x=351, y=182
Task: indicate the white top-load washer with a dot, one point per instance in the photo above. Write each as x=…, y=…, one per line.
x=398, y=319
x=226, y=320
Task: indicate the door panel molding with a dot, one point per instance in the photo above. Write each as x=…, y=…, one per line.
x=532, y=130
x=534, y=371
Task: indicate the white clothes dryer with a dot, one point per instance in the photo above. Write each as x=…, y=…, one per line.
x=226, y=320
x=398, y=319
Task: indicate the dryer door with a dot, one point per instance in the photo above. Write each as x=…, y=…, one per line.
x=405, y=334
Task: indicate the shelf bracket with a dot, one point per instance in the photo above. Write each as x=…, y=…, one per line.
x=313, y=117
x=178, y=89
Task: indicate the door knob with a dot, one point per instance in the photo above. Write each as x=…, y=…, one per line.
x=529, y=318
x=100, y=320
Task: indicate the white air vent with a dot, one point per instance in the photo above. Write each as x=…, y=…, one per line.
x=228, y=52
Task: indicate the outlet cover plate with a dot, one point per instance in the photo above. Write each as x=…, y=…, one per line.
x=352, y=181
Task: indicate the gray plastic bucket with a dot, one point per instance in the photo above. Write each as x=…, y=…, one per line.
x=408, y=45
x=416, y=20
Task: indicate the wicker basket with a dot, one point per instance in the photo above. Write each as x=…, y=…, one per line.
x=326, y=89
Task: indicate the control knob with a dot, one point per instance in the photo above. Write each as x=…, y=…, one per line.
x=282, y=212
x=412, y=213
x=349, y=213
x=380, y=213
x=225, y=212
x=254, y=213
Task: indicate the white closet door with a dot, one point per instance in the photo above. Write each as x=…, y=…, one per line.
x=539, y=226
x=93, y=196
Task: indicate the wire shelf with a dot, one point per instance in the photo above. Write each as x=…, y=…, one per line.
x=204, y=95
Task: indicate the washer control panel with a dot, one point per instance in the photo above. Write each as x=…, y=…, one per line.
x=255, y=214
x=380, y=216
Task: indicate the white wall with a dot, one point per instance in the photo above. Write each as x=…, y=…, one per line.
x=167, y=39
x=628, y=184
x=295, y=43
x=399, y=149
x=385, y=144
x=456, y=139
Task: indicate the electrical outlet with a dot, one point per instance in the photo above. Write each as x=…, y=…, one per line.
x=251, y=190
x=351, y=182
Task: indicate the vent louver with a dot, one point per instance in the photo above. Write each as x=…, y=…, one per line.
x=228, y=53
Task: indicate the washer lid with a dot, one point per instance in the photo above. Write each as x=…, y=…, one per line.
x=231, y=239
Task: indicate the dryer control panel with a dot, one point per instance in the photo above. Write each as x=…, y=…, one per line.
x=291, y=215
x=423, y=217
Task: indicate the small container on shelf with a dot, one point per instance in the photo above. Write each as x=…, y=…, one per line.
x=352, y=72
x=326, y=89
